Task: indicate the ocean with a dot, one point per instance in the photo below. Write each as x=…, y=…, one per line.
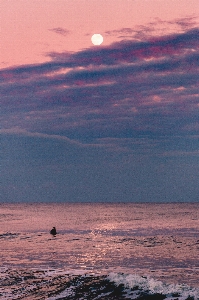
x=101, y=251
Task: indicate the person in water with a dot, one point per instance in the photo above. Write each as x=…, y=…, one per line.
x=53, y=231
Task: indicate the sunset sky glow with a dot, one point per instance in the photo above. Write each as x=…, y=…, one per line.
x=114, y=122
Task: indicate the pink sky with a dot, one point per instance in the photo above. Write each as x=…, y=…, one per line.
x=31, y=28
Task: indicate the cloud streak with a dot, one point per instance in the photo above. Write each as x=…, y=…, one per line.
x=60, y=31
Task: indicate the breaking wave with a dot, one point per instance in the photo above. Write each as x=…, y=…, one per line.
x=59, y=285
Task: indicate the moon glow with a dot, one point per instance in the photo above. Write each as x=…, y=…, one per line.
x=97, y=39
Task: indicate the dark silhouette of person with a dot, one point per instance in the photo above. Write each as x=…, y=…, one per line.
x=53, y=231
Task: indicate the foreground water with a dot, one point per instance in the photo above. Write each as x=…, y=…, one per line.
x=101, y=251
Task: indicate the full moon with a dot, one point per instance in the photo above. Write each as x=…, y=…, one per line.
x=97, y=39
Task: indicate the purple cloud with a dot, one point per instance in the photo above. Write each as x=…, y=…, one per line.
x=130, y=90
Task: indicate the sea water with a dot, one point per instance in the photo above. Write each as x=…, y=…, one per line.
x=101, y=251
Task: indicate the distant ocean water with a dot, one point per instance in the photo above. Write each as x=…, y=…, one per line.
x=101, y=251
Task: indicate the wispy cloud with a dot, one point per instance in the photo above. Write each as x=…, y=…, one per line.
x=60, y=30
x=154, y=28
x=128, y=91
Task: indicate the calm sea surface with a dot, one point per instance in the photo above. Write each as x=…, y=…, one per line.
x=151, y=245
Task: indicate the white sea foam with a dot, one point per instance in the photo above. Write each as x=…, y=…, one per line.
x=67, y=292
x=56, y=272
x=153, y=286
x=133, y=284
